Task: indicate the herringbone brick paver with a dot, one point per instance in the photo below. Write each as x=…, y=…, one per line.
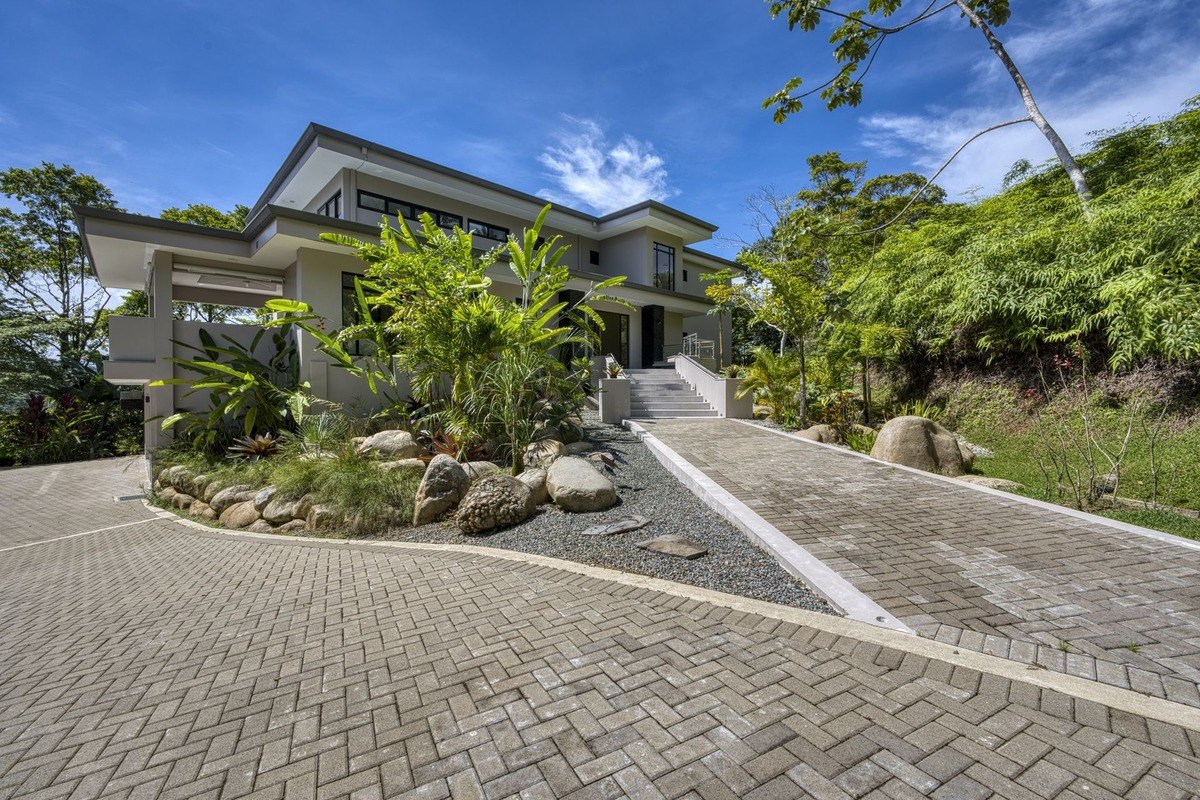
x=970, y=568
x=61, y=499
x=154, y=661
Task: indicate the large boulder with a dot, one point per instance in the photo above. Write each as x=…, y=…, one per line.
x=203, y=510
x=919, y=443
x=535, y=479
x=478, y=470
x=413, y=465
x=280, y=510
x=444, y=484
x=324, y=518
x=239, y=515
x=230, y=495
x=496, y=501
x=968, y=455
x=575, y=485
x=826, y=434
x=391, y=445
x=263, y=498
x=543, y=453
x=182, y=501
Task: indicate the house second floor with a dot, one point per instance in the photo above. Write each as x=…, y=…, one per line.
x=340, y=176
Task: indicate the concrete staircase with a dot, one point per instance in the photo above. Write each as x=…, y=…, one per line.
x=662, y=394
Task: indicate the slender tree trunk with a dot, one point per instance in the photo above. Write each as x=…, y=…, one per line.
x=803, y=384
x=1060, y=148
x=866, y=390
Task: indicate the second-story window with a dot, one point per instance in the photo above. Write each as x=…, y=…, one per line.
x=487, y=230
x=664, y=266
x=332, y=207
x=399, y=208
x=594, y=258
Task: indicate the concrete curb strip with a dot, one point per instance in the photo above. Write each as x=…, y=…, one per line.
x=794, y=558
x=1042, y=504
x=1113, y=697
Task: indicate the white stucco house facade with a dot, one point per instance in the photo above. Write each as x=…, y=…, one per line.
x=333, y=181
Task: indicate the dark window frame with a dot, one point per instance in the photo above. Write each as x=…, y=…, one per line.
x=410, y=211
x=349, y=298
x=496, y=233
x=662, y=277
x=594, y=258
x=685, y=279
x=336, y=201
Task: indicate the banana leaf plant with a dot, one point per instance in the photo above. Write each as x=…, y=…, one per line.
x=247, y=395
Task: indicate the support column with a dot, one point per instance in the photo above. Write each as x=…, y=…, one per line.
x=160, y=400
x=654, y=327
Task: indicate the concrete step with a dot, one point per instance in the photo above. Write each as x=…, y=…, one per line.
x=670, y=402
x=645, y=414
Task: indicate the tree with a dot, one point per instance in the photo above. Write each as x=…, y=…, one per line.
x=857, y=41
x=53, y=303
x=137, y=304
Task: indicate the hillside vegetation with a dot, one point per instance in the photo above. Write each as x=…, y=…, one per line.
x=1067, y=345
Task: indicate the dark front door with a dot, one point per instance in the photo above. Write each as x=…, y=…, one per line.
x=614, y=339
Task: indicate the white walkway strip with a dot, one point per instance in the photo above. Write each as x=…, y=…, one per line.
x=1095, y=519
x=75, y=535
x=794, y=558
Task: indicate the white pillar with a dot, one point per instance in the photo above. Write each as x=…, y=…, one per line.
x=160, y=400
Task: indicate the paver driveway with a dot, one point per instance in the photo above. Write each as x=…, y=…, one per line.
x=156, y=661
x=980, y=570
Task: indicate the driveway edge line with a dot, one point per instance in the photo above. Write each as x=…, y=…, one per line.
x=1161, y=536
x=793, y=557
x=1111, y=696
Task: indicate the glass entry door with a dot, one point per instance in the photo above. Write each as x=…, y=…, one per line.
x=614, y=339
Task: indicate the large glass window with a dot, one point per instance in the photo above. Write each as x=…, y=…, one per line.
x=351, y=313
x=487, y=230
x=333, y=206
x=399, y=208
x=664, y=266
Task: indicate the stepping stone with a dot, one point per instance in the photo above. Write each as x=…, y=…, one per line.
x=674, y=545
x=618, y=526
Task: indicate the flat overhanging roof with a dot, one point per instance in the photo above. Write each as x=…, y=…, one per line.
x=322, y=152
x=120, y=247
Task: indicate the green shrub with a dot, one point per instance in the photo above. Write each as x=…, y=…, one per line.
x=371, y=499
x=859, y=440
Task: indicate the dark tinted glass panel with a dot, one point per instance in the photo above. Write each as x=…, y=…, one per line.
x=372, y=202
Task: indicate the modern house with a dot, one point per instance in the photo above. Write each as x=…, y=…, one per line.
x=332, y=181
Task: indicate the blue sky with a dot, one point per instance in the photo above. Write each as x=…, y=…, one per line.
x=592, y=103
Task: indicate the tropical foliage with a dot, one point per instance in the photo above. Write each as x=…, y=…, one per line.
x=486, y=369
x=247, y=395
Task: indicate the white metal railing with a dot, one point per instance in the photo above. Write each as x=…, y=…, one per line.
x=696, y=347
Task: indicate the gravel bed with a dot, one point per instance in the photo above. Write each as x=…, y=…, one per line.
x=733, y=564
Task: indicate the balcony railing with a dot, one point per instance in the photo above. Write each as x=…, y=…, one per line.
x=696, y=347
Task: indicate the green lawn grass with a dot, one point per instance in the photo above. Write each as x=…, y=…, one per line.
x=1022, y=439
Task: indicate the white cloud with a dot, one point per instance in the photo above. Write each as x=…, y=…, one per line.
x=590, y=170
x=1146, y=75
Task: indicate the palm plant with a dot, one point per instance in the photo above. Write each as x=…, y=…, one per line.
x=436, y=320
x=246, y=393
x=775, y=380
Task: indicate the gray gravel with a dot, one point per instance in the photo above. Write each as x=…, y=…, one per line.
x=733, y=563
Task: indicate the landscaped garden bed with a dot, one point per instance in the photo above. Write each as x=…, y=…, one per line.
x=351, y=493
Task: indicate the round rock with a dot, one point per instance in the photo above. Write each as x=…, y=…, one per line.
x=535, y=479
x=496, y=501
x=444, y=484
x=576, y=486
x=392, y=445
x=919, y=443
x=239, y=515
